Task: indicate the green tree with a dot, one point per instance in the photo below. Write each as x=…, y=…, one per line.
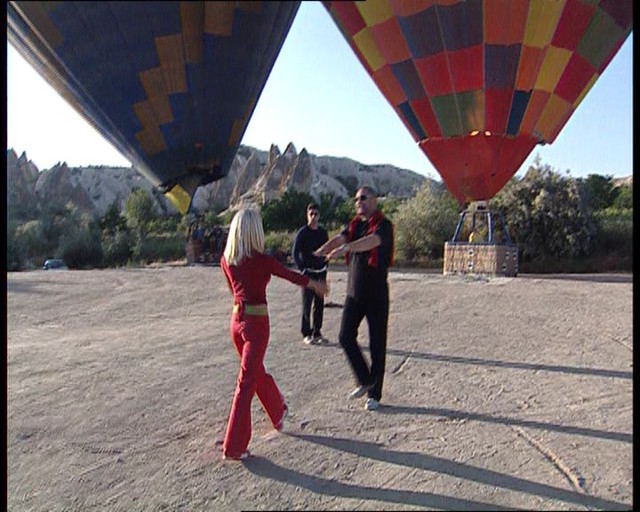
x=113, y=220
x=345, y=210
x=624, y=198
x=81, y=247
x=211, y=219
x=53, y=217
x=327, y=206
x=27, y=245
x=80, y=244
x=139, y=211
x=597, y=192
x=424, y=222
x=287, y=213
x=13, y=255
x=545, y=215
x=389, y=206
x=116, y=248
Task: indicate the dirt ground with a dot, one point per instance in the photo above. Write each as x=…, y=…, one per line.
x=500, y=393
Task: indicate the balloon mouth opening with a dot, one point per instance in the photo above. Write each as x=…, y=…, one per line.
x=193, y=178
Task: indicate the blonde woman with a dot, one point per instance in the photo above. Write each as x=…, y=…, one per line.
x=248, y=271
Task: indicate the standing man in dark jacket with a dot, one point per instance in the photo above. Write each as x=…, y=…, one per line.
x=367, y=243
x=307, y=240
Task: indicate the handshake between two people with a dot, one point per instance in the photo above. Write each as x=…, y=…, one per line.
x=333, y=249
x=320, y=288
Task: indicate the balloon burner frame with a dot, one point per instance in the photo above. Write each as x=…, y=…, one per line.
x=481, y=244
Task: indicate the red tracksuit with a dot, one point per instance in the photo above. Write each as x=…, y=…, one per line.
x=250, y=335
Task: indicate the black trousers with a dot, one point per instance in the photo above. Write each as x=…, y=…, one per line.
x=377, y=314
x=312, y=308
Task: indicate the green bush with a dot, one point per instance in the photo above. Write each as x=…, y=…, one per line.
x=116, y=248
x=287, y=213
x=278, y=244
x=546, y=215
x=423, y=224
x=167, y=224
x=81, y=248
x=344, y=211
x=29, y=246
x=161, y=247
x=139, y=210
x=614, y=229
x=614, y=238
x=624, y=198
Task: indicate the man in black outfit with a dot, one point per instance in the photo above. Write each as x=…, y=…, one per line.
x=367, y=243
x=308, y=239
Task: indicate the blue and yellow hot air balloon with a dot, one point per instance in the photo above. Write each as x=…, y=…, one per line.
x=172, y=85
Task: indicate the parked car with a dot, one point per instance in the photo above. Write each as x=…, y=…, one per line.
x=54, y=264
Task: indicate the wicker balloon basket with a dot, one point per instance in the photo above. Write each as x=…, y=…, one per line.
x=471, y=258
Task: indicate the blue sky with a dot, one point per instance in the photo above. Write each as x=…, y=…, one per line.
x=319, y=97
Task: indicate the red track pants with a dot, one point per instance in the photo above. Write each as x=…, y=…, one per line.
x=250, y=336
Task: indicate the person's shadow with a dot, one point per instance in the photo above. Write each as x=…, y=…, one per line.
x=265, y=468
x=414, y=460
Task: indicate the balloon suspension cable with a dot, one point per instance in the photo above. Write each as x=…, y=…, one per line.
x=483, y=225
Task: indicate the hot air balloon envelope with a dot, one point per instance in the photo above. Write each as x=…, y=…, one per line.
x=172, y=85
x=479, y=83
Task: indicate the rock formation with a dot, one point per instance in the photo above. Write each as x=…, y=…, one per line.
x=255, y=177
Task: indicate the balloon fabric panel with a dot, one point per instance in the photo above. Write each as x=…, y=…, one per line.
x=421, y=32
x=498, y=106
x=465, y=67
x=407, y=76
x=542, y=20
x=388, y=85
x=460, y=24
x=423, y=110
x=500, y=66
x=574, y=20
x=597, y=46
x=435, y=75
x=369, y=49
x=555, y=60
x=577, y=74
x=556, y=112
x=410, y=119
x=518, y=108
x=620, y=11
x=504, y=21
x=389, y=40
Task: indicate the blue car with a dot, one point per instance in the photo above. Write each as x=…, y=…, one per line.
x=54, y=264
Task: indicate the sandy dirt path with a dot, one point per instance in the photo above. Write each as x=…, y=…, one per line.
x=500, y=393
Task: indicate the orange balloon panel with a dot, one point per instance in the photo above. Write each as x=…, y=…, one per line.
x=478, y=83
x=477, y=167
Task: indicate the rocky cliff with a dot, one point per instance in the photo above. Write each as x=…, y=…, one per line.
x=255, y=177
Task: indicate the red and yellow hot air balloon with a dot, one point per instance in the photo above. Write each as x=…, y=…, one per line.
x=479, y=83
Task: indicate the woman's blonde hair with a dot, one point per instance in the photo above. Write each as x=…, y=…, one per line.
x=246, y=236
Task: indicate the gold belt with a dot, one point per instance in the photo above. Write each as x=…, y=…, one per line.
x=253, y=309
